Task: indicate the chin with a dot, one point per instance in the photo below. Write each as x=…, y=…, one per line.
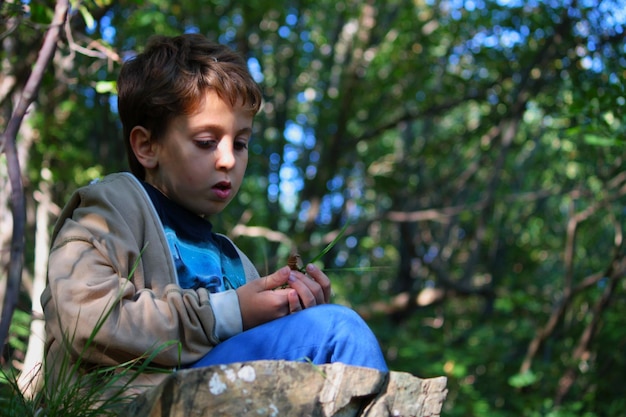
x=214, y=211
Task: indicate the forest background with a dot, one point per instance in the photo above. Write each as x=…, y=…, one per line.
x=475, y=150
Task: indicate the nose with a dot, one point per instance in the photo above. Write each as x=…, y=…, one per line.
x=225, y=158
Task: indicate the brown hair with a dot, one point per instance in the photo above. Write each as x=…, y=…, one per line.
x=170, y=78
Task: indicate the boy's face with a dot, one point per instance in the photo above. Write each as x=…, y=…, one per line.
x=201, y=159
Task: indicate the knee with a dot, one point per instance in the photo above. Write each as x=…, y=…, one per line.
x=338, y=314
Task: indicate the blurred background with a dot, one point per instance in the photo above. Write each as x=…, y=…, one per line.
x=472, y=152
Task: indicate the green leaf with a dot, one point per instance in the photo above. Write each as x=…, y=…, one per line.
x=89, y=20
x=523, y=379
x=597, y=140
x=105, y=87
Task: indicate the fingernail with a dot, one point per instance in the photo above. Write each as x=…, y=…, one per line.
x=311, y=267
x=292, y=277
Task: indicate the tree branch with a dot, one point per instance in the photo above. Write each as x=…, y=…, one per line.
x=9, y=138
x=569, y=290
x=569, y=377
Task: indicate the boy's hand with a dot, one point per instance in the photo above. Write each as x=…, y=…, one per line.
x=262, y=300
x=313, y=289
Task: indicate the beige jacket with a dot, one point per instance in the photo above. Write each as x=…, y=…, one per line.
x=109, y=255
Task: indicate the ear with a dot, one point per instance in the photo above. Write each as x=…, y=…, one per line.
x=143, y=147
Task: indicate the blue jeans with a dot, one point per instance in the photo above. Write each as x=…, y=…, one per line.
x=323, y=334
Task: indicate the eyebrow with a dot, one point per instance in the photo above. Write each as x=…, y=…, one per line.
x=246, y=130
x=209, y=127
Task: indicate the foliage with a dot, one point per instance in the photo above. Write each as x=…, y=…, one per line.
x=475, y=147
x=72, y=392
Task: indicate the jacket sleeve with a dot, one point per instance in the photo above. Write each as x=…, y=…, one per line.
x=228, y=321
x=113, y=294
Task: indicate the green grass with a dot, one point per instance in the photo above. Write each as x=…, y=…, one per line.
x=75, y=396
x=74, y=393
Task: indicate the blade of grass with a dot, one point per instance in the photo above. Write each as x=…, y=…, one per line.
x=358, y=269
x=331, y=244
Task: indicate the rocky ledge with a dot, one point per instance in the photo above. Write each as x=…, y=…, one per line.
x=281, y=388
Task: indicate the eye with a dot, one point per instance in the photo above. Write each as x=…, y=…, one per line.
x=205, y=143
x=241, y=144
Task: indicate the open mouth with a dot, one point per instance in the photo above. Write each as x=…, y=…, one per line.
x=222, y=189
x=222, y=186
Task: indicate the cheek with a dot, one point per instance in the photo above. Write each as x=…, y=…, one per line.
x=197, y=166
x=239, y=173
x=244, y=161
x=243, y=166
x=196, y=175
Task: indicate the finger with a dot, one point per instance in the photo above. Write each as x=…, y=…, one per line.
x=320, y=277
x=294, y=302
x=276, y=279
x=289, y=303
x=259, y=305
x=309, y=291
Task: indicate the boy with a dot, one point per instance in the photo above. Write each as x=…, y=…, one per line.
x=141, y=246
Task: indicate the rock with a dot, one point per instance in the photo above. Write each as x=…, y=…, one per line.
x=282, y=388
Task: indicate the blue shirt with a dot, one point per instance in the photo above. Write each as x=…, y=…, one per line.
x=202, y=258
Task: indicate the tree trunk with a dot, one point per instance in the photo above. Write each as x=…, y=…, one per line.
x=8, y=141
x=30, y=378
